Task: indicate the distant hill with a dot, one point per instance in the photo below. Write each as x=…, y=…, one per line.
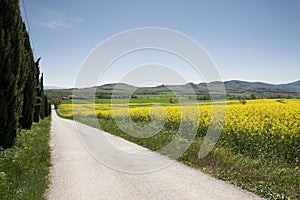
x=234, y=88
x=294, y=86
x=243, y=87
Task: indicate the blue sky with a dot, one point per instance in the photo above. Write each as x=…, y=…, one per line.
x=253, y=40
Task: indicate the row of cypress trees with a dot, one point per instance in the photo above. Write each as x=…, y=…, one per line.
x=22, y=98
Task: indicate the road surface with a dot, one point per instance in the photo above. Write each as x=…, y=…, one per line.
x=78, y=173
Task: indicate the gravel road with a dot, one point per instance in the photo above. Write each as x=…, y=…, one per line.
x=77, y=172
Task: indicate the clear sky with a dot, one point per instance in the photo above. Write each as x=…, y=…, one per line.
x=252, y=40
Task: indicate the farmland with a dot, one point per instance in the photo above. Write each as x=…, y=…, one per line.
x=258, y=148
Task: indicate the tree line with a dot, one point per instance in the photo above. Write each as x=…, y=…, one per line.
x=22, y=99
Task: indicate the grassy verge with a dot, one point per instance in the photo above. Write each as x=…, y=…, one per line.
x=61, y=113
x=272, y=179
x=24, y=168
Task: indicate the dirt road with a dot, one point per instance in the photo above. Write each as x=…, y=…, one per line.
x=77, y=172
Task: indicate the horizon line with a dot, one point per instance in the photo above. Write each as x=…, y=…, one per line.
x=249, y=81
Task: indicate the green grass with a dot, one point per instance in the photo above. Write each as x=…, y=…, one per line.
x=118, y=101
x=144, y=100
x=24, y=168
x=272, y=180
x=154, y=143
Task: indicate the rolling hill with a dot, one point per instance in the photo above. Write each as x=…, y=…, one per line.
x=234, y=89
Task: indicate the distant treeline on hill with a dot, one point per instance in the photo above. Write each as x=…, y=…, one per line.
x=22, y=99
x=234, y=90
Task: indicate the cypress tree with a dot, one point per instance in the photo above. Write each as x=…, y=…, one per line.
x=47, y=107
x=38, y=102
x=11, y=56
x=29, y=92
x=22, y=96
x=43, y=103
x=23, y=69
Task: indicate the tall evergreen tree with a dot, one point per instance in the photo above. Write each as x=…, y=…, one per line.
x=47, y=106
x=23, y=68
x=29, y=92
x=21, y=91
x=43, y=103
x=37, y=107
x=11, y=57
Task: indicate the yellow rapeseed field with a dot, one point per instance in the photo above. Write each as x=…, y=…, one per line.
x=268, y=126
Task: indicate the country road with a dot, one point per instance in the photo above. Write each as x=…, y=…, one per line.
x=78, y=173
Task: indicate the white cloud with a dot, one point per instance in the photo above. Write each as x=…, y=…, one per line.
x=54, y=24
x=56, y=20
x=61, y=23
